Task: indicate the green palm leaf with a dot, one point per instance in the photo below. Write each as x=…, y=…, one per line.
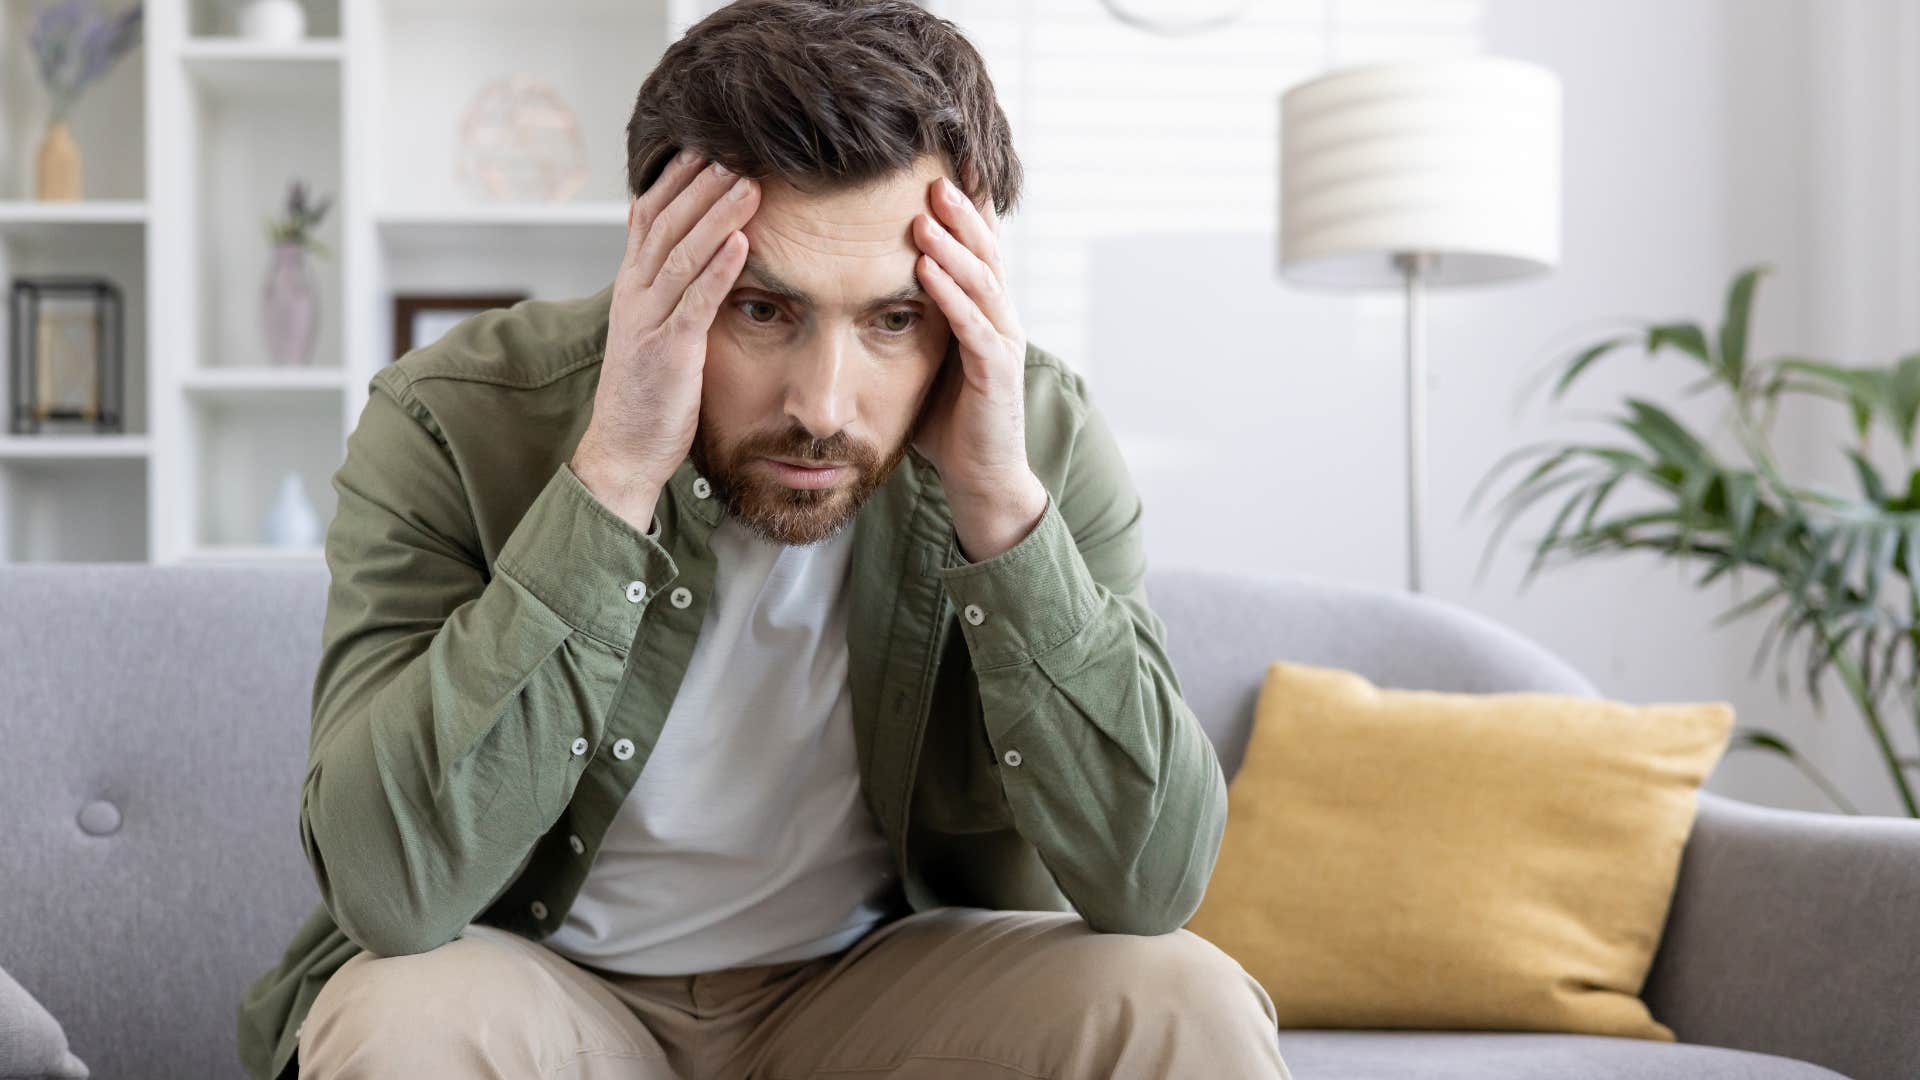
x=1826, y=561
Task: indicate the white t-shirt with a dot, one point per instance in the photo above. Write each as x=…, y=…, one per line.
x=745, y=839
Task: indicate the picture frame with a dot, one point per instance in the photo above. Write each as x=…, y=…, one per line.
x=65, y=356
x=419, y=319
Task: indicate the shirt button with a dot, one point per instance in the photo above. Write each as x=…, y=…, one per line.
x=636, y=591
x=539, y=909
x=579, y=847
x=701, y=488
x=975, y=615
x=1011, y=757
x=579, y=746
x=623, y=749
x=681, y=597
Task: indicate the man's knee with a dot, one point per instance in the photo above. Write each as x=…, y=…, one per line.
x=1176, y=995
x=457, y=978
x=1179, y=972
x=413, y=1009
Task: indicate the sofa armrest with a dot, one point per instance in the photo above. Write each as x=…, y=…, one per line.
x=1796, y=934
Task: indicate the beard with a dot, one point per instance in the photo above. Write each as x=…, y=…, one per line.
x=784, y=515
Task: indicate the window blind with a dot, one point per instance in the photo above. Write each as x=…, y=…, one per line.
x=1125, y=131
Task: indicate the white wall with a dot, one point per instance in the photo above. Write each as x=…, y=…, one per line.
x=1267, y=420
x=1851, y=149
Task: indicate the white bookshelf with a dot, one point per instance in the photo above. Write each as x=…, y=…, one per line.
x=189, y=146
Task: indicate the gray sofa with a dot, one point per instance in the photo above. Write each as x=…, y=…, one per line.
x=154, y=726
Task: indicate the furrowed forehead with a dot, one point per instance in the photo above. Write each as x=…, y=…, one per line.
x=757, y=274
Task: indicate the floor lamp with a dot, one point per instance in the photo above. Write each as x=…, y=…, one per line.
x=1417, y=174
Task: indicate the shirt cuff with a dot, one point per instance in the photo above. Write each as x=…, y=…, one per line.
x=586, y=562
x=1024, y=601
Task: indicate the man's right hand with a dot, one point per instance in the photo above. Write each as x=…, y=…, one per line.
x=684, y=250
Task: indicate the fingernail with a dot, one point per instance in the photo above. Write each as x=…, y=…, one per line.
x=686, y=156
x=721, y=170
x=740, y=188
x=946, y=185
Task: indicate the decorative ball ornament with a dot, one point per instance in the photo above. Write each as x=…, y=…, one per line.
x=519, y=142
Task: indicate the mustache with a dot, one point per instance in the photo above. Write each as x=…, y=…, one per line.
x=797, y=443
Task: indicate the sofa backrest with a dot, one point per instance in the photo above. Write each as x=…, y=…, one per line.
x=1223, y=630
x=154, y=725
x=154, y=721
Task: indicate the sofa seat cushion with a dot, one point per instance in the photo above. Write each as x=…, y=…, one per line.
x=1500, y=1055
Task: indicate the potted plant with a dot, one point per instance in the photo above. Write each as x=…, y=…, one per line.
x=1841, y=572
x=289, y=305
x=74, y=44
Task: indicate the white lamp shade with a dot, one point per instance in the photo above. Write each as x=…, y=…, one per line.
x=1457, y=159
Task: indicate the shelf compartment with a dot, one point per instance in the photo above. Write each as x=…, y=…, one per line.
x=73, y=510
x=557, y=253
x=429, y=58
x=108, y=123
x=254, y=126
x=240, y=447
x=118, y=254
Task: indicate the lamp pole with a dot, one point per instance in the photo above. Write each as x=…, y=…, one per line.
x=1413, y=267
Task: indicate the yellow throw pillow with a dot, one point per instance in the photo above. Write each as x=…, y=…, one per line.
x=1421, y=859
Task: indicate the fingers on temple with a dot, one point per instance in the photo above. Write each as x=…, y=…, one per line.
x=695, y=250
x=970, y=324
x=699, y=303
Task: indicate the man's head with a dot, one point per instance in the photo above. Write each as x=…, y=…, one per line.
x=825, y=351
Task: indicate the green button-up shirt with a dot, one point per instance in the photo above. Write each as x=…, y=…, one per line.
x=496, y=640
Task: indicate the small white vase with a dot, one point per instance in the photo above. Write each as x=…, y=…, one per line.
x=291, y=521
x=274, y=21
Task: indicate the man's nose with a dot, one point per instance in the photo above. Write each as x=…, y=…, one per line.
x=820, y=389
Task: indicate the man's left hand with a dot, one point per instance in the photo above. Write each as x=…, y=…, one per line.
x=975, y=429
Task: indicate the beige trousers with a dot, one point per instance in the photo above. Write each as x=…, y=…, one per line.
x=947, y=992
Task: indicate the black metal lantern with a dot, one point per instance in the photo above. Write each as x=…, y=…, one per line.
x=65, y=355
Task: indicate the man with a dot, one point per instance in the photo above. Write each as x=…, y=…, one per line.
x=745, y=670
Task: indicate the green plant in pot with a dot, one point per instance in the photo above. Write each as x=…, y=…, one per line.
x=1841, y=572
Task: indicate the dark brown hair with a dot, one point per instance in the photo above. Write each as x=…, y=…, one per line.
x=825, y=94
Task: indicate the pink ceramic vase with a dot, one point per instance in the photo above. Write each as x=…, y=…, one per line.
x=289, y=306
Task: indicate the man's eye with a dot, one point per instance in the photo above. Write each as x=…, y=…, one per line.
x=899, y=322
x=750, y=306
